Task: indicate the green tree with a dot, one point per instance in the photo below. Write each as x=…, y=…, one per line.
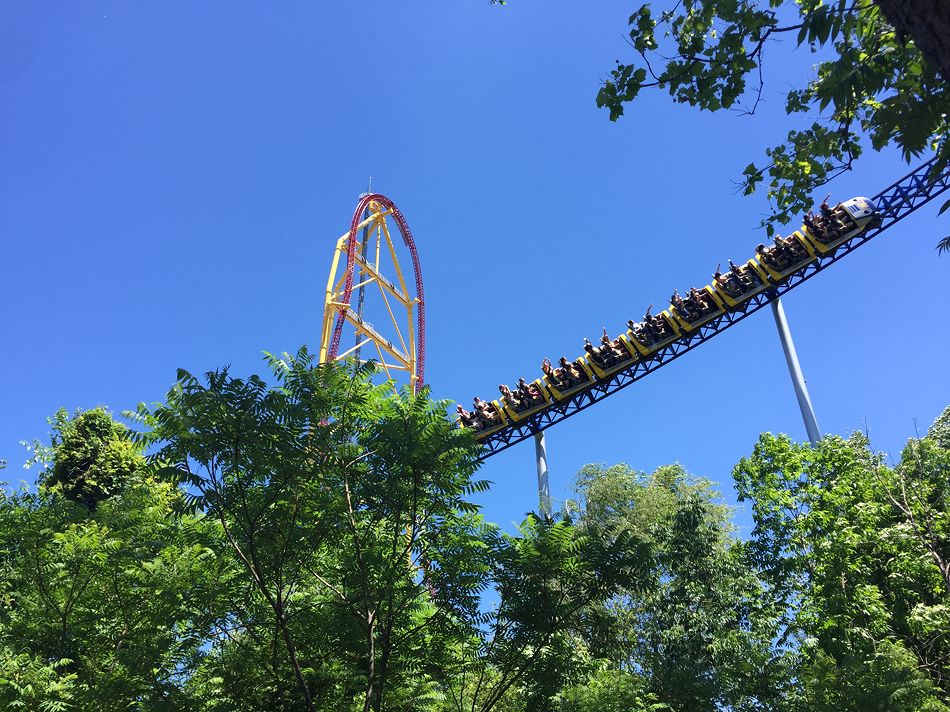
x=853, y=553
x=346, y=509
x=90, y=457
x=695, y=626
x=102, y=607
x=873, y=84
x=544, y=579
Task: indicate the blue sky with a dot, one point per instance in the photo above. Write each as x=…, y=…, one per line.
x=174, y=175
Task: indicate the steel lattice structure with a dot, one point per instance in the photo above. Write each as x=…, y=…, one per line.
x=894, y=203
x=405, y=351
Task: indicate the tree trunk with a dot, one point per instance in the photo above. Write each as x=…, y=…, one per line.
x=927, y=23
x=292, y=651
x=370, y=660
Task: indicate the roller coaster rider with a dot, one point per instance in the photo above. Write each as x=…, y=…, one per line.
x=594, y=354
x=746, y=277
x=651, y=330
x=699, y=301
x=572, y=373
x=609, y=353
x=485, y=413
x=509, y=398
x=769, y=257
x=647, y=331
x=530, y=394
x=679, y=304
x=611, y=350
x=730, y=283
x=557, y=377
x=561, y=378
x=829, y=223
x=467, y=419
x=793, y=247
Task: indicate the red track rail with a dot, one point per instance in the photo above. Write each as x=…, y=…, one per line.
x=351, y=241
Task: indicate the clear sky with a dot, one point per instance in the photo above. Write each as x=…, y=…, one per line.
x=174, y=175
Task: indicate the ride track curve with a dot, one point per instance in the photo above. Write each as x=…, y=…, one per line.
x=894, y=203
x=342, y=304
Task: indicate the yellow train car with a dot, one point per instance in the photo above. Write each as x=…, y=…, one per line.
x=503, y=422
x=646, y=349
x=686, y=325
x=776, y=275
x=620, y=365
x=760, y=276
x=567, y=392
x=518, y=416
x=858, y=213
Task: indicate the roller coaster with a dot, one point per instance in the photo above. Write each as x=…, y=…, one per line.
x=398, y=343
x=575, y=385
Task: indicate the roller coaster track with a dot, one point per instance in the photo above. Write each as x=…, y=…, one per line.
x=894, y=203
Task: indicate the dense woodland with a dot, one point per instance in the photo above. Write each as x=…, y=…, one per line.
x=306, y=541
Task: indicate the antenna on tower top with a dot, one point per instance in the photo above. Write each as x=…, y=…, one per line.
x=369, y=188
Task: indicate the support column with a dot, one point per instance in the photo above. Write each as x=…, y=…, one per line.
x=795, y=371
x=544, y=490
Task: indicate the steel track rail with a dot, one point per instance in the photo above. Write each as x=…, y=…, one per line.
x=894, y=203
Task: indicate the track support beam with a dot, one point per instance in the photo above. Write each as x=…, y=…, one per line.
x=795, y=371
x=544, y=487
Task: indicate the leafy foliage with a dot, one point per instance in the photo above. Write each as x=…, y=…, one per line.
x=544, y=578
x=694, y=626
x=91, y=457
x=610, y=691
x=27, y=683
x=854, y=553
x=306, y=542
x=104, y=608
x=333, y=496
x=939, y=432
x=871, y=84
